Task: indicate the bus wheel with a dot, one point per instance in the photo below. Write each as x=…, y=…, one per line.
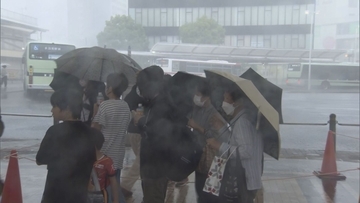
x=325, y=85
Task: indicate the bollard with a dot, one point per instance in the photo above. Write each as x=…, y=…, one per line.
x=332, y=127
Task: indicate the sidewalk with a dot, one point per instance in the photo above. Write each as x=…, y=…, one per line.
x=279, y=180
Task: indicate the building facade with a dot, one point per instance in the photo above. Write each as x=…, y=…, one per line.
x=248, y=23
x=86, y=19
x=337, y=24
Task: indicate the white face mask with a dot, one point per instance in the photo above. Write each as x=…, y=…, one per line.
x=197, y=101
x=138, y=92
x=228, y=108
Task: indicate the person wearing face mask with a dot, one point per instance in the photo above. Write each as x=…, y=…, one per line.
x=112, y=119
x=248, y=142
x=200, y=121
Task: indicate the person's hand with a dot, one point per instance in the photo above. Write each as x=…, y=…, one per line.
x=136, y=116
x=216, y=122
x=213, y=143
x=192, y=123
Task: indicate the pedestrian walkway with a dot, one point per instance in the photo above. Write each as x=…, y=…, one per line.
x=285, y=181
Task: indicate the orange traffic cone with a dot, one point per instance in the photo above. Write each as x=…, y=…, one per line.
x=329, y=167
x=12, y=185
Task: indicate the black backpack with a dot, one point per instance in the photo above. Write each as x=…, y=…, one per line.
x=185, y=154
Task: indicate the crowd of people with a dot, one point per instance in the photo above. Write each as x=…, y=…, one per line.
x=91, y=140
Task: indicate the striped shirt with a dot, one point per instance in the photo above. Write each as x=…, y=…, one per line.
x=114, y=117
x=249, y=143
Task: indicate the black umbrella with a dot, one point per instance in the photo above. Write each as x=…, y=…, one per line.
x=270, y=92
x=64, y=80
x=97, y=63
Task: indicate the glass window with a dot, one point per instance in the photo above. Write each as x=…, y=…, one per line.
x=241, y=16
x=170, y=17
x=240, y=40
x=195, y=14
x=260, y=41
x=281, y=15
x=201, y=12
x=261, y=15
x=302, y=43
x=253, y=41
x=267, y=41
x=267, y=15
x=221, y=16
x=182, y=16
x=296, y=15
x=234, y=16
x=176, y=17
x=247, y=15
x=254, y=18
x=215, y=14
x=163, y=38
x=144, y=17
x=157, y=20
x=227, y=16
x=188, y=15
x=208, y=12
x=280, y=41
x=287, y=41
x=310, y=7
x=151, y=17
x=151, y=41
x=170, y=39
x=307, y=41
x=227, y=40
x=302, y=16
x=247, y=40
x=177, y=39
x=157, y=39
x=138, y=15
x=163, y=17
x=288, y=15
x=233, y=40
x=275, y=15
x=132, y=13
x=295, y=41
x=274, y=41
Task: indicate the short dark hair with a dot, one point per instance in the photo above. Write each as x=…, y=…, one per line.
x=235, y=92
x=98, y=138
x=204, y=88
x=68, y=99
x=118, y=82
x=150, y=81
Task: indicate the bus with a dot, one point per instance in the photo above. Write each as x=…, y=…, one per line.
x=38, y=64
x=324, y=75
x=197, y=67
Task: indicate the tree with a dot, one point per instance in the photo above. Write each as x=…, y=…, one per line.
x=121, y=32
x=203, y=31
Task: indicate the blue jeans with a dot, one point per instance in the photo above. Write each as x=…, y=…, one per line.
x=109, y=191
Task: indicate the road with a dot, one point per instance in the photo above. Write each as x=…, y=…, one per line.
x=297, y=108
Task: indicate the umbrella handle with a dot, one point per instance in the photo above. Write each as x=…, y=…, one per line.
x=258, y=120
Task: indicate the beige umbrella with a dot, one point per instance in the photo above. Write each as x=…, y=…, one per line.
x=268, y=117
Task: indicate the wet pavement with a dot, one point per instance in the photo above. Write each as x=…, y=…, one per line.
x=284, y=181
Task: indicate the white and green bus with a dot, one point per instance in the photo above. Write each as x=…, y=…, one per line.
x=324, y=75
x=38, y=64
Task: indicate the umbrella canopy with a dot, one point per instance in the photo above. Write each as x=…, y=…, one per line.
x=181, y=89
x=271, y=92
x=97, y=63
x=268, y=117
x=64, y=80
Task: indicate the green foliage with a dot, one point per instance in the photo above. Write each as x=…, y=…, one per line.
x=203, y=31
x=121, y=32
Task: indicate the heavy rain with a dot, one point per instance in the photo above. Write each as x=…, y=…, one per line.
x=165, y=101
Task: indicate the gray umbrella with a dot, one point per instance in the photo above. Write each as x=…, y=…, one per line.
x=97, y=63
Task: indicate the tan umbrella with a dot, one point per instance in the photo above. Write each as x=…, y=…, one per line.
x=268, y=117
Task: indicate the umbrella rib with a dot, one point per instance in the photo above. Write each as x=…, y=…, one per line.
x=88, y=68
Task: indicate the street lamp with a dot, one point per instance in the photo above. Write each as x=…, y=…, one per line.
x=312, y=13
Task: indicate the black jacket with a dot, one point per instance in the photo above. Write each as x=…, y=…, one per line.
x=133, y=100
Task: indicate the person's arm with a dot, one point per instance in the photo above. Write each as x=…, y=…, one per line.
x=114, y=189
x=243, y=132
x=196, y=126
x=46, y=151
x=99, y=116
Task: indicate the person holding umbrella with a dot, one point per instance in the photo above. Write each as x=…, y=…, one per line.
x=248, y=144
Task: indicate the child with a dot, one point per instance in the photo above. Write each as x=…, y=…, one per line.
x=105, y=170
x=68, y=151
